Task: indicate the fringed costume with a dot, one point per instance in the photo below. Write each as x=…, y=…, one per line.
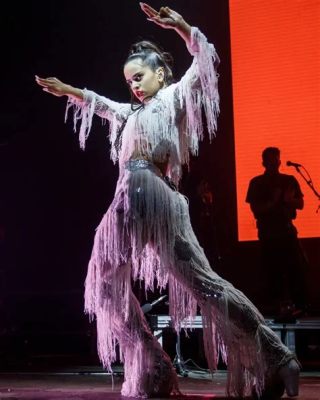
x=146, y=234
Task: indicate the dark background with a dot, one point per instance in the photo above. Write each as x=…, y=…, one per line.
x=53, y=195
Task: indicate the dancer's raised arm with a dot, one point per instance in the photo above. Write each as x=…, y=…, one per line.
x=86, y=103
x=57, y=88
x=168, y=19
x=199, y=85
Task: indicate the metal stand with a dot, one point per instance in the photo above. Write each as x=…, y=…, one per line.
x=309, y=182
x=178, y=361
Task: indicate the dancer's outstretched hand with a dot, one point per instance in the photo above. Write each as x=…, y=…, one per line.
x=53, y=86
x=165, y=17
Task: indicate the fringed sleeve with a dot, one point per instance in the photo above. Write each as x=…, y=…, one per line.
x=92, y=103
x=199, y=88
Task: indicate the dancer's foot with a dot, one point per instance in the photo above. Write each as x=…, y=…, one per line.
x=156, y=377
x=289, y=375
x=272, y=391
x=286, y=379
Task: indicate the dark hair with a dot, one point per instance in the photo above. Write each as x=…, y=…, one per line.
x=153, y=56
x=270, y=151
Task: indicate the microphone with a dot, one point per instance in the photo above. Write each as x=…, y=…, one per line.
x=149, y=306
x=293, y=164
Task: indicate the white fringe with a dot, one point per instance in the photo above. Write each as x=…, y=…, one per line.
x=204, y=94
x=170, y=125
x=84, y=112
x=137, y=237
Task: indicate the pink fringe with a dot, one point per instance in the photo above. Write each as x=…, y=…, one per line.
x=137, y=239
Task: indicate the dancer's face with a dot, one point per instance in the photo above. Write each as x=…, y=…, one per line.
x=142, y=80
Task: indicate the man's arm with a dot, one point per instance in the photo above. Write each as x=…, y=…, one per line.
x=258, y=205
x=293, y=197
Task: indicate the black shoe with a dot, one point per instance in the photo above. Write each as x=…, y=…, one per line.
x=272, y=391
x=289, y=375
x=286, y=379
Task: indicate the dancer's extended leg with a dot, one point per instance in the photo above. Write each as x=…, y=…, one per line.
x=120, y=320
x=232, y=324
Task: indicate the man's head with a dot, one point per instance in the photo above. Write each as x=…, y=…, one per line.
x=271, y=159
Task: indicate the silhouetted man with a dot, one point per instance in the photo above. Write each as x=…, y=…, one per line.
x=274, y=198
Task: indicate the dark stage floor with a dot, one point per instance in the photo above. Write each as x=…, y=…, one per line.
x=98, y=386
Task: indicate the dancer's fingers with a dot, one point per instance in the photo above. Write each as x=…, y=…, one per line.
x=38, y=79
x=156, y=20
x=164, y=12
x=42, y=81
x=151, y=12
x=44, y=84
x=148, y=8
x=50, y=79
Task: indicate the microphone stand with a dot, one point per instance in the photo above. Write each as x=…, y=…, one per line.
x=178, y=361
x=309, y=182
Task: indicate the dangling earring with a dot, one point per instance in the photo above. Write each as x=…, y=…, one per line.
x=161, y=78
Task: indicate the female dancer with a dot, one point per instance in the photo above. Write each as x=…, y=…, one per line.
x=146, y=232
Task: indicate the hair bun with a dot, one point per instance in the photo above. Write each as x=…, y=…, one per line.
x=147, y=46
x=143, y=46
x=167, y=58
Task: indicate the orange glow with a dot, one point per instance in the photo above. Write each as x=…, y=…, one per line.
x=276, y=89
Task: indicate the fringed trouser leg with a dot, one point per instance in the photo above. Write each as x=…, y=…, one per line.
x=152, y=216
x=232, y=325
x=148, y=370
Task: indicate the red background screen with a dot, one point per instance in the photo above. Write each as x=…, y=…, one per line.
x=276, y=89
